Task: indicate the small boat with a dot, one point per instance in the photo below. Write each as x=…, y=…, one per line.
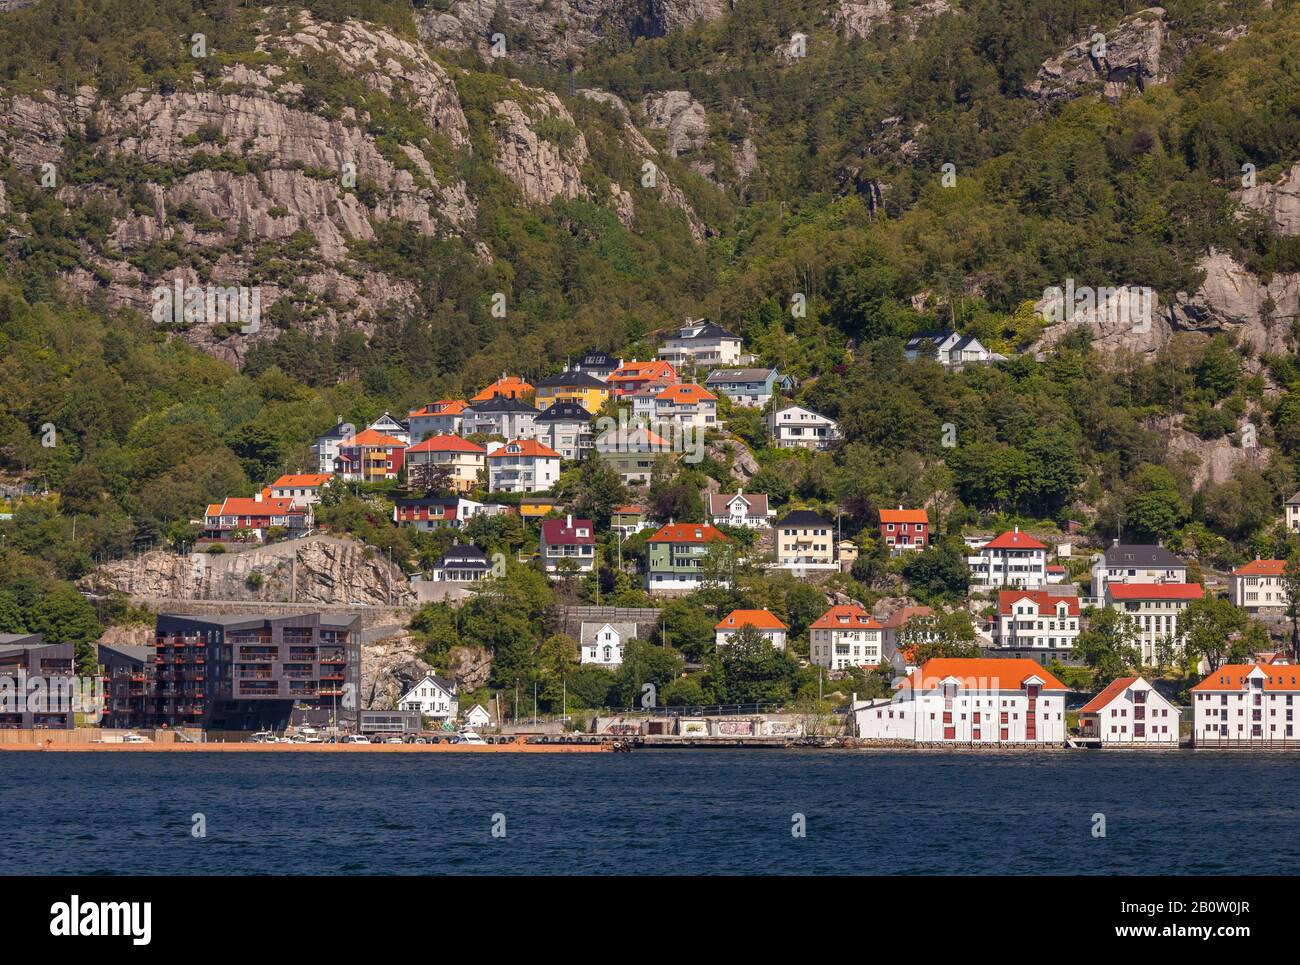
x=467, y=735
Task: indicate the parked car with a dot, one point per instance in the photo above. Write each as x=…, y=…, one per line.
x=356, y=739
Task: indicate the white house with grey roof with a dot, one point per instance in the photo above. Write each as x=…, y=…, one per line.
x=747, y=510
x=703, y=344
x=795, y=427
x=603, y=643
x=500, y=415
x=950, y=349
x=462, y=564
x=1135, y=563
x=434, y=697
x=566, y=428
x=753, y=388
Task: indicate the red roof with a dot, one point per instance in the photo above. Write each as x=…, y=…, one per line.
x=373, y=439
x=1116, y=687
x=1155, y=591
x=556, y=532
x=686, y=394
x=759, y=619
x=688, y=533
x=524, y=447
x=250, y=506
x=441, y=407
x=1047, y=602
x=903, y=614
x=1261, y=568
x=445, y=444
x=983, y=673
x=302, y=480
x=508, y=386
x=1232, y=676
x=847, y=617
x=1014, y=540
x=904, y=516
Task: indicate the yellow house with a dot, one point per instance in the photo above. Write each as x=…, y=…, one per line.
x=535, y=507
x=572, y=385
x=463, y=459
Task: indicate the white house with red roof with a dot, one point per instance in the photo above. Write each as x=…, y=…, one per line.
x=1245, y=705
x=1036, y=625
x=1156, y=608
x=632, y=376
x=256, y=515
x=462, y=459
x=1258, y=586
x=522, y=466
x=950, y=700
x=905, y=529
x=442, y=418
x=687, y=404
x=1129, y=711
x=1011, y=559
x=764, y=621
x=303, y=488
x=568, y=539
x=846, y=636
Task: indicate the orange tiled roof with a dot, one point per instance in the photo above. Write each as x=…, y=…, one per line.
x=985, y=673
x=759, y=619
x=845, y=617
x=1155, y=591
x=524, y=447
x=1015, y=540
x=686, y=393
x=445, y=444
x=688, y=533
x=1261, y=568
x=249, y=506
x=636, y=371
x=441, y=407
x=372, y=439
x=1232, y=676
x=904, y=516
x=307, y=480
x=510, y=386
x=1115, y=688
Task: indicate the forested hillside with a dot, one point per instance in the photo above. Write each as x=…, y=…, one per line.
x=905, y=167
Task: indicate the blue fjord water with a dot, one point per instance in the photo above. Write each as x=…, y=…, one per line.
x=671, y=812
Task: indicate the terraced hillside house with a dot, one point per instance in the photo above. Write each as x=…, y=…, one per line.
x=255, y=517
x=128, y=675
x=461, y=564
x=1013, y=559
x=764, y=621
x=1135, y=563
x=846, y=636
x=462, y=460
x=687, y=405
x=805, y=541
x=1156, y=608
x=572, y=385
x=326, y=448
x=303, y=489
x=1247, y=705
x=387, y=425
x=752, y=388
x=568, y=546
x=500, y=416
x=701, y=344
x=1259, y=587
x=794, y=427
x=370, y=456
x=632, y=452
x=522, y=466
x=565, y=427
x=1130, y=711
x=603, y=643
x=676, y=553
x=1036, y=625
x=506, y=387
x=628, y=520
x=905, y=529
x=433, y=697
x=970, y=701
x=442, y=418
x=431, y=512
x=741, y=509
x=600, y=364
x=38, y=683
x=246, y=672
x=950, y=349
x=632, y=376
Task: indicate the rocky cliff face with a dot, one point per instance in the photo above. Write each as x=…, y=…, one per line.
x=316, y=570
x=392, y=665
x=260, y=180
x=857, y=18
x=1278, y=202
x=1130, y=55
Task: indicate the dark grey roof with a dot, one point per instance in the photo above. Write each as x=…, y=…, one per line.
x=564, y=412
x=15, y=640
x=138, y=654
x=803, y=518
x=502, y=403
x=708, y=330
x=598, y=360
x=935, y=337
x=1141, y=555
x=572, y=377
x=463, y=556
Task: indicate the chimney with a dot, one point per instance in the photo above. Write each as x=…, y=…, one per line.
x=568, y=521
x=257, y=496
